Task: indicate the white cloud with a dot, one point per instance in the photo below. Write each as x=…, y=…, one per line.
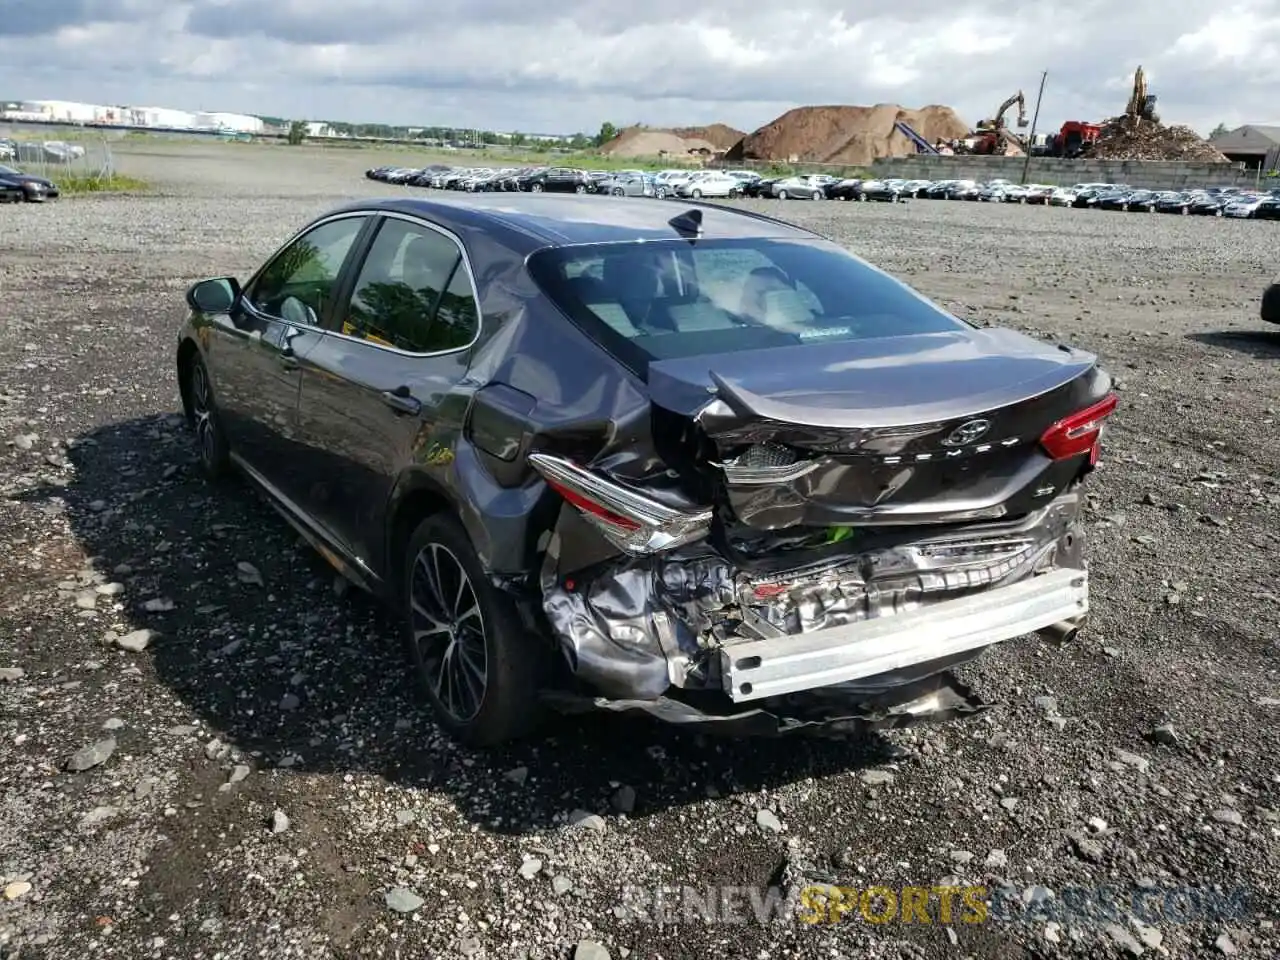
x=515, y=64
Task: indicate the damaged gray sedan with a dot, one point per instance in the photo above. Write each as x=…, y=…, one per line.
x=710, y=467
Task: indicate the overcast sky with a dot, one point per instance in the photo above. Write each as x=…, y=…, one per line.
x=566, y=65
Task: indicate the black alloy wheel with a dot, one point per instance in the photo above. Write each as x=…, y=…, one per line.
x=211, y=443
x=480, y=669
x=448, y=631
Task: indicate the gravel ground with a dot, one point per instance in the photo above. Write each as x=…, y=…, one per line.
x=255, y=776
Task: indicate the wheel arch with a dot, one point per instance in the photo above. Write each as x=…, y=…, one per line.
x=187, y=352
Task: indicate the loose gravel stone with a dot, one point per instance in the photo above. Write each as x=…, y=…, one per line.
x=91, y=756
x=136, y=640
x=402, y=900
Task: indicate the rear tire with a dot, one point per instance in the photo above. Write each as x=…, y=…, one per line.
x=211, y=440
x=479, y=668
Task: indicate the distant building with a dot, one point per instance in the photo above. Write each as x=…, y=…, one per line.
x=65, y=111
x=160, y=117
x=1255, y=145
x=317, y=128
x=239, y=122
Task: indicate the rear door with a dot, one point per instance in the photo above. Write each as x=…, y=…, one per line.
x=255, y=361
x=377, y=390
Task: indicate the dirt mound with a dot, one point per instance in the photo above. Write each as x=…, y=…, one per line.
x=680, y=141
x=848, y=135
x=1124, y=138
x=721, y=135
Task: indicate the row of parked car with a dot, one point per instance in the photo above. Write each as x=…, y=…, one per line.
x=732, y=184
x=1206, y=201
x=619, y=183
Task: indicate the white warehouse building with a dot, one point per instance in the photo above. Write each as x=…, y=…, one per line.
x=229, y=121
x=67, y=111
x=160, y=117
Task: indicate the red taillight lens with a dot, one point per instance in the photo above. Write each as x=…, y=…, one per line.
x=593, y=508
x=1078, y=433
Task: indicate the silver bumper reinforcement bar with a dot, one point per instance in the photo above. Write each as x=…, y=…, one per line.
x=754, y=669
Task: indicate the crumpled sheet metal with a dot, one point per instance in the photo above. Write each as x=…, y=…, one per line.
x=936, y=697
x=639, y=626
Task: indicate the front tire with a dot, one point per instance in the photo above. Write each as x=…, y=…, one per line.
x=211, y=441
x=481, y=671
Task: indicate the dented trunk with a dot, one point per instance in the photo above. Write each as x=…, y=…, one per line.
x=930, y=428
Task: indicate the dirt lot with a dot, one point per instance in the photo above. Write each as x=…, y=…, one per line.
x=265, y=779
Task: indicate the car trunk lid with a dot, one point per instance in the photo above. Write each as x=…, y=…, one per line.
x=927, y=428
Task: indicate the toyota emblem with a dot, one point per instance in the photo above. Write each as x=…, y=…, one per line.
x=970, y=432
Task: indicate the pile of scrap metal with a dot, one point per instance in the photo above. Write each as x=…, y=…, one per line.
x=1138, y=134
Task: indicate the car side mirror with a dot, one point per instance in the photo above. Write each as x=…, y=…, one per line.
x=218, y=295
x=1271, y=304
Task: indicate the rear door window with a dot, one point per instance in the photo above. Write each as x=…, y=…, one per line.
x=413, y=292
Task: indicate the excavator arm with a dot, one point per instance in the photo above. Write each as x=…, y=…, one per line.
x=998, y=122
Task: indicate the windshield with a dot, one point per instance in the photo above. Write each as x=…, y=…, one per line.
x=646, y=301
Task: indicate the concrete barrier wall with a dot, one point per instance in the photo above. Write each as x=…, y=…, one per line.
x=1151, y=174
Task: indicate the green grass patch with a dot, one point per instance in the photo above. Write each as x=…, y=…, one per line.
x=78, y=183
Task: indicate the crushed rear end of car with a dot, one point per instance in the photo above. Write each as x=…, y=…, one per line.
x=811, y=534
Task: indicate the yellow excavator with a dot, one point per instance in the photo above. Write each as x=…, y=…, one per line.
x=1142, y=105
x=994, y=137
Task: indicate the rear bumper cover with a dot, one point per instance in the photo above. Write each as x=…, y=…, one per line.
x=758, y=669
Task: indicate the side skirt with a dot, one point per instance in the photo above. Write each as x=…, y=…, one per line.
x=352, y=568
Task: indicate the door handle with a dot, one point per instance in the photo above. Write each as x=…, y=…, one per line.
x=402, y=401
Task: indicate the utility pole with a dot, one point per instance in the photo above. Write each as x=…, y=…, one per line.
x=1035, y=118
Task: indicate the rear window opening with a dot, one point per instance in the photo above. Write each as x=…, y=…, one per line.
x=658, y=300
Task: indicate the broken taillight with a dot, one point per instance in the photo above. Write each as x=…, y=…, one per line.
x=1078, y=433
x=631, y=521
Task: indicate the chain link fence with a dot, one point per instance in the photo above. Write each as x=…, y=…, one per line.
x=49, y=157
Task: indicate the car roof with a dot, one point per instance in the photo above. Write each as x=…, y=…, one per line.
x=535, y=220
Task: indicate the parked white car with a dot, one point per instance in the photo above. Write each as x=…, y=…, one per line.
x=1244, y=206
x=1063, y=197
x=711, y=184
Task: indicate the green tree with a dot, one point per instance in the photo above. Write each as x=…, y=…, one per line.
x=607, y=132
x=297, y=132
x=1218, y=131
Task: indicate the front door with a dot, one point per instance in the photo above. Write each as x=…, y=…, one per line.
x=274, y=328
x=377, y=391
